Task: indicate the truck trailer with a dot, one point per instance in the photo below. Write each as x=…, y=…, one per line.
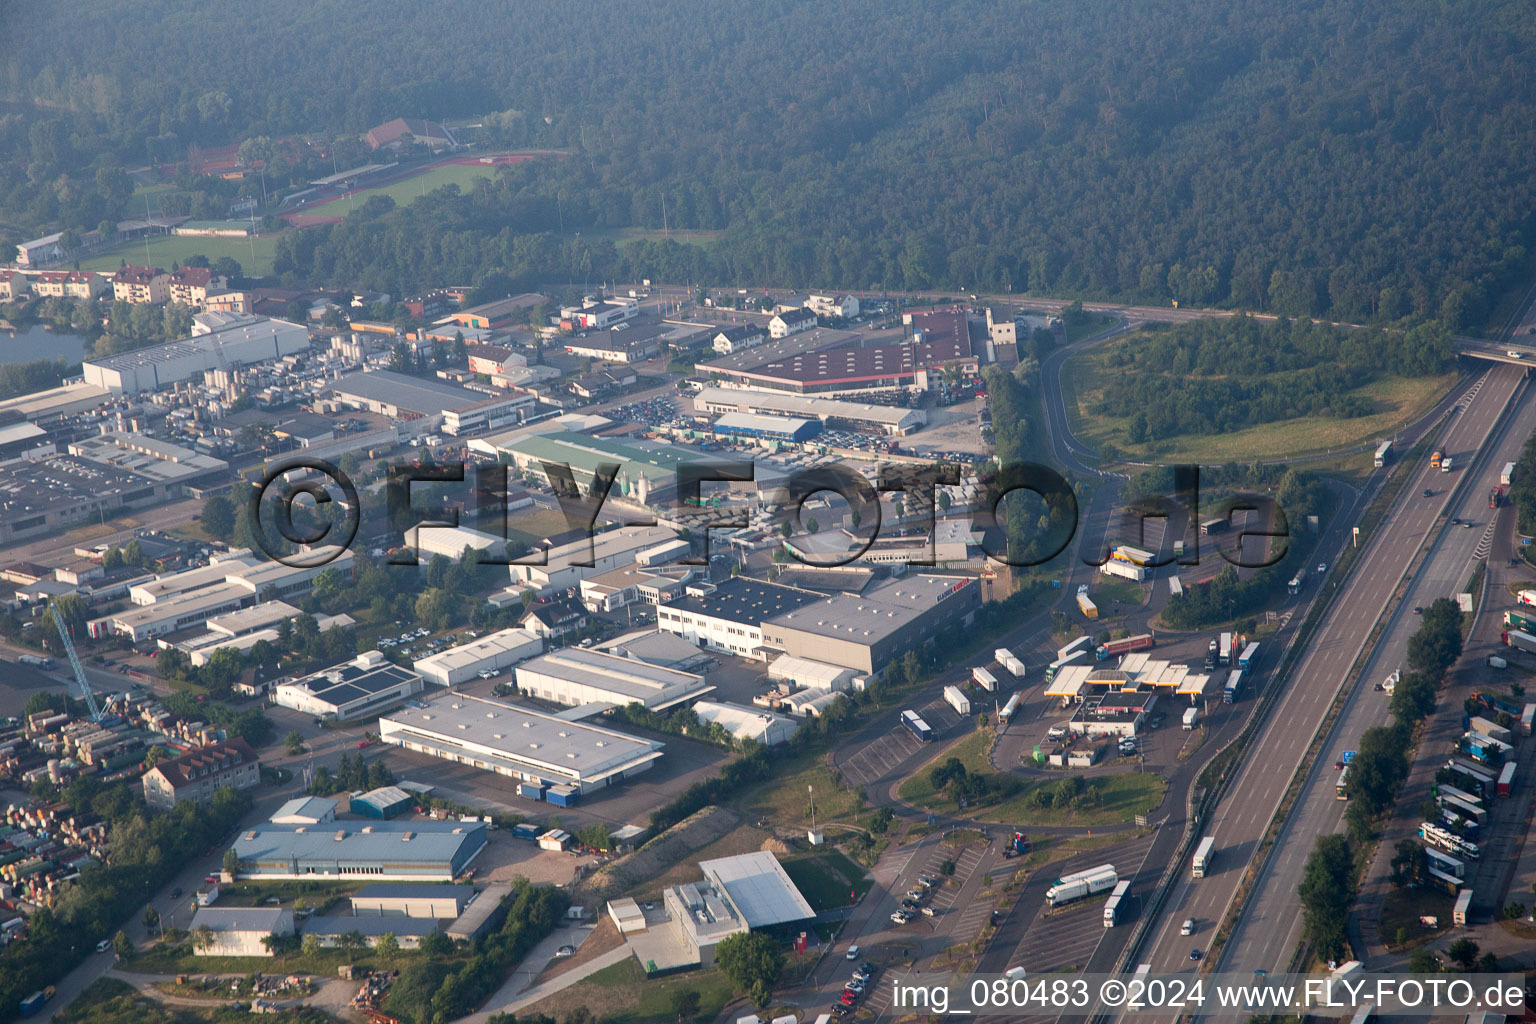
x=1009, y=661
x=1248, y=657
x=1118, y=899
x=916, y=726
x=957, y=699
x=1061, y=663
x=1521, y=622
x=1204, y=853
x=1527, y=719
x=1224, y=649
x=1139, y=642
x=1125, y=570
x=1506, y=783
x=1082, y=884
x=1234, y=688
x=1191, y=716
x=1081, y=644
x=1009, y=709
x=1507, y=475
x=1520, y=640
x=1087, y=607
x=984, y=679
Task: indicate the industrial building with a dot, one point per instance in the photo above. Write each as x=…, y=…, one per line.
x=305, y=810
x=335, y=931
x=833, y=413
x=564, y=565
x=198, y=774
x=860, y=632
x=766, y=428
x=657, y=647
x=408, y=899
x=544, y=750
x=614, y=590
x=491, y=653
x=421, y=851
x=576, y=676
x=248, y=341
x=744, y=723
x=647, y=470
x=810, y=675
x=240, y=931
x=358, y=688
x=456, y=409
x=60, y=492
x=953, y=543
x=383, y=803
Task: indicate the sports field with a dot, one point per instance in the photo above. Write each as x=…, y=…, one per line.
x=460, y=171
x=253, y=254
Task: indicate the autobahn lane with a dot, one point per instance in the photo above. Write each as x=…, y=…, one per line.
x=1241, y=817
x=1270, y=929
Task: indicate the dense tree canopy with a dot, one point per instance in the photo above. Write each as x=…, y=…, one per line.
x=1365, y=160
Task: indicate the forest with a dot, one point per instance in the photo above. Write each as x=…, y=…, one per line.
x=1215, y=376
x=1362, y=161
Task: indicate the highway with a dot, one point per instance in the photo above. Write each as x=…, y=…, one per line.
x=1243, y=814
x=1269, y=929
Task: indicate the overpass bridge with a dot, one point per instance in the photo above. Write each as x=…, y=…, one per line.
x=1515, y=353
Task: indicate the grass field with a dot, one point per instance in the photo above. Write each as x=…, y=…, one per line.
x=621, y=236
x=1120, y=799
x=785, y=800
x=1400, y=401
x=972, y=752
x=1402, y=909
x=621, y=994
x=826, y=879
x=1108, y=589
x=406, y=190
x=167, y=249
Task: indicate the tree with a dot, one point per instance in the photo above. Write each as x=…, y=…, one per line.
x=151, y=919
x=387, y=945
x=352, y=942
x=1488, y=964
x=1327, y=890
x=122, y=945
x=753, y=961
x=435, y=944
x=310, y=945
x=685, y=1005
x=294, y=743
x=1463, y=953
x=202, y=938
x=231, y=862
x=218, y=517
x=1423, y=961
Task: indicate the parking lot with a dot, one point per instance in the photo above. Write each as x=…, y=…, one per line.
x=881, y=756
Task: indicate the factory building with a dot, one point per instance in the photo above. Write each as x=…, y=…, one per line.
x=532, y=747
x=655, y=647
x=430, y=403
x=565, y=565
x=246, y=342
x=491, y=653
x=406, y=899
x=576, y=676
x=647, y=469
x=729, y=616
x=241, y=931
x=407, y=851
x=833, y=413
x=358, y=688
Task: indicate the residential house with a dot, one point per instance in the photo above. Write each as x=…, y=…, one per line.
x=201, y=773
x=140, y=285
x=190, y=285
x=69, y=284
x=13, y=285
x=845, y=306
x=791, y=322
x=739, y=339
x=556, y=619
x=489, y=359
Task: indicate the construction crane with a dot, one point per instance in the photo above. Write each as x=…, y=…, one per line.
x=74, y=663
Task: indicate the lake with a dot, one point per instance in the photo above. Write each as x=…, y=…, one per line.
x=34, y=342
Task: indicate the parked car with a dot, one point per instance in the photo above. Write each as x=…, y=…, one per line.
x=566, y=951
x=929, y=912
x=103, y=945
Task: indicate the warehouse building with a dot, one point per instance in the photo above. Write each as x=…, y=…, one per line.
x=491, y=653
x=744, y=723
x=749, y=892
x=657, y=647
x=953, y=543
x=408, y=899
x=383, y=803
x=430, y=403
x=358, y=688
x=336, y=931
x=766, y=428
x=576, y=676
x=858, y=417
x=519, y=743
x=247, y=341
x=810, y=675
x=729, y=616
x=647, y=469
x=305, y=810
x=406, y=851
x=240, y=931
x=614, y=590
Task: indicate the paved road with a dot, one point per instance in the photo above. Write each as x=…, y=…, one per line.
x=1269, y=930
x=1241, y=818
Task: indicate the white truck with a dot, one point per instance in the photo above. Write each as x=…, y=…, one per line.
x=1009, y=661
x=957, y=700
x=1203, y=856
x=1124, y=570
x=1117, y=899
x=1082, y=884
x=1082, y=643
x=1191, y=716
x=1224, y=649
x=1507, y=476
x=1445, y=464
x=984, y=679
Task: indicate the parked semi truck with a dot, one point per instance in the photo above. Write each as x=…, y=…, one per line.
x=957, y=699
x=1124, y=570
x=1139, y=642
x=1248, y=657
x=1086, y=606
x=1082, y=884
x=1506, y=783
x=1191, y=716
x=1224, y=649
x=984, y=679
x=1009, y=709
x=1515, y=620
x=1507, y=476
x=1204, y=854
x=1061, y=663
x=1082, y=643
x=1520, y=640
x=1009, y=661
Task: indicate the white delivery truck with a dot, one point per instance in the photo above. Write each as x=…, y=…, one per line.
x=1191, y=716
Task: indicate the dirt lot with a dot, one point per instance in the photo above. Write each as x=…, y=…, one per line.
x=505, y=858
